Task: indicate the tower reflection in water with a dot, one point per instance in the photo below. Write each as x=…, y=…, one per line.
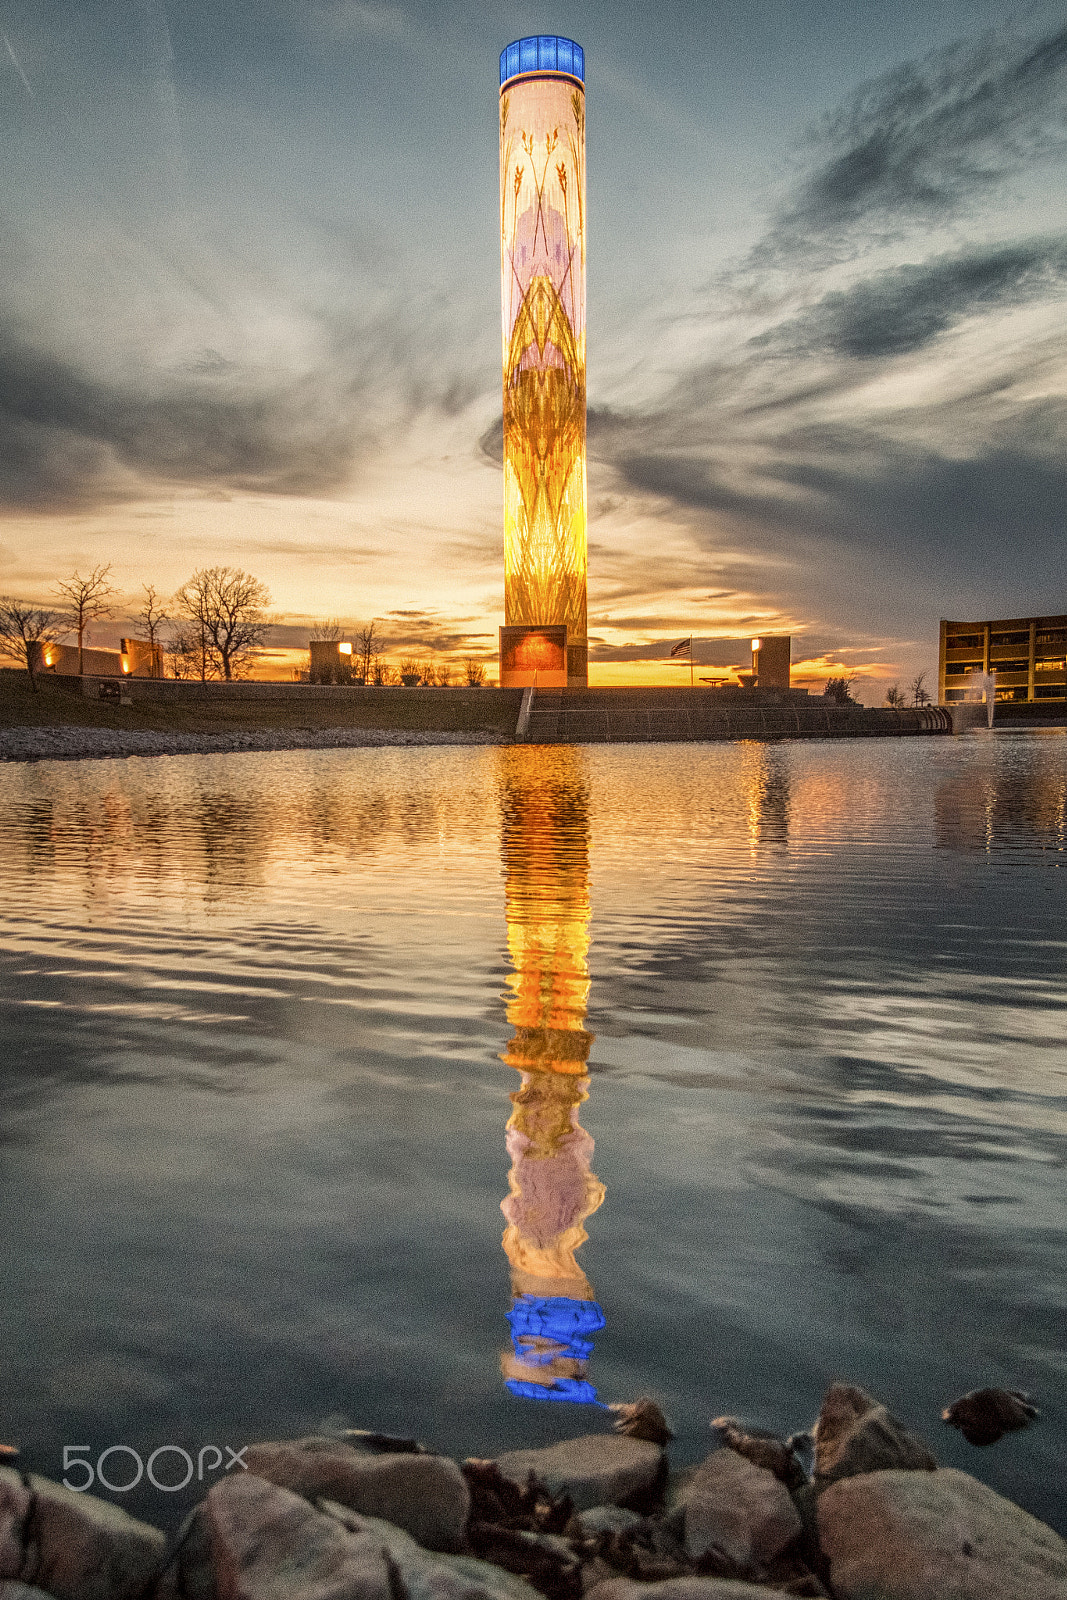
x=552, y=1190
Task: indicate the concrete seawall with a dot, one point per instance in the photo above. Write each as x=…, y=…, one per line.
x=551, y=716
x=584, y=716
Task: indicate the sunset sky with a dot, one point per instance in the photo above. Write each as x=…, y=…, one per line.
x=250, y=315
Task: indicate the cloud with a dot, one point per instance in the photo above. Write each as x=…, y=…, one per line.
x=924, y=142
x=992, y=521
x=908, y=307
x=68, y=439
x=297, y=398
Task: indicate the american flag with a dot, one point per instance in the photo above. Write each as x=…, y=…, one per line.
x=684, y=647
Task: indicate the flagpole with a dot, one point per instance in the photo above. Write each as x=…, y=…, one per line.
x=690, y=660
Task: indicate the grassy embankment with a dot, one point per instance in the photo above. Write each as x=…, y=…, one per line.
x=61, y=705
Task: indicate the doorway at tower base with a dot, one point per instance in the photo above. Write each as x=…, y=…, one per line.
x=542, y=657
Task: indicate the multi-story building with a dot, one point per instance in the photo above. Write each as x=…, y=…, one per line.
x=1027, y=654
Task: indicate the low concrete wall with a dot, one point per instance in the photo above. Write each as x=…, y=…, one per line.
x=590, y=716
x=191, y=690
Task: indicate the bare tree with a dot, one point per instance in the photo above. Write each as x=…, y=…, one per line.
x=152, y=617
x=21, y=627
x=87, y=600
x=840, y=689
x=184, y=655
x=327, y=629
x=895, y=697
x=920, y=695
x=474, y=673
x=226, y=608
x=368, y=642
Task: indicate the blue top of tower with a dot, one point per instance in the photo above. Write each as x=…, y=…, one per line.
x=543, y=52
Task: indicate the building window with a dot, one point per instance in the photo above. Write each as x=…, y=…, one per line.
x=953, y=669
x=964, y=641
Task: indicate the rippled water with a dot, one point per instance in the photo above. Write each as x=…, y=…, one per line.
x=285, y=1035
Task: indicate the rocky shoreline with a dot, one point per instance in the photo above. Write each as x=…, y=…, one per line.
x=857, y=1510
x=72, y=743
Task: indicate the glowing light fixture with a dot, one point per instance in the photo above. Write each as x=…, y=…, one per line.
x=755, y=644
x=344, y=649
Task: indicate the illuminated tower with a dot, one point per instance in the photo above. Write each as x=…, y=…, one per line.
x=552, y=1189
x=542, y=261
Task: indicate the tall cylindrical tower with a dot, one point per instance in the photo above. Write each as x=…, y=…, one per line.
x=542, y=260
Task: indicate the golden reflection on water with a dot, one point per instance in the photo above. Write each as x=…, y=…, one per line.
x=764, y=773
x=552, y=1190
x=985, y=810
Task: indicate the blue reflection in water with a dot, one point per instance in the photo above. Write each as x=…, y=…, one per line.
x=549, y=1329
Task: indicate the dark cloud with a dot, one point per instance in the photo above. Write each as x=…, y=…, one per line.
x=926, y=140
x=902, y=310
x=996, y=516
x=68, y=439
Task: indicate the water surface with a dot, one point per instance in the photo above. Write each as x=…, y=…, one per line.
x=456, y=1090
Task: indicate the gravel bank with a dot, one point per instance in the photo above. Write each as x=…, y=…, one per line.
x=96, y=744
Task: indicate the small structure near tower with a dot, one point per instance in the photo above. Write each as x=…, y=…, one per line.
x=771, y=657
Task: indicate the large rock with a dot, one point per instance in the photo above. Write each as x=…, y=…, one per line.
x=433, y=1577
x=21, y=1591
x=426, y=1495
x=190, y=1573
x=73, y=1545
x=269, y=1544
x=597, y=1469
x=15, y=1502
x=681, y=1589
x=856, y=1434
x=985, y=1415
x=739, y=1509
x=942, y=1536
x=608, y=1519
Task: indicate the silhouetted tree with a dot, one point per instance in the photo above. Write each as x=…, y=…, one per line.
x=87, y=600
x=327, y=630
x=184, y=655
x=920, y=695
x=840, y=689
x=474, y=673
x=368, y=642
x=151, y=617
x=226, y=608
x=895, y=697
x=21, y=627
